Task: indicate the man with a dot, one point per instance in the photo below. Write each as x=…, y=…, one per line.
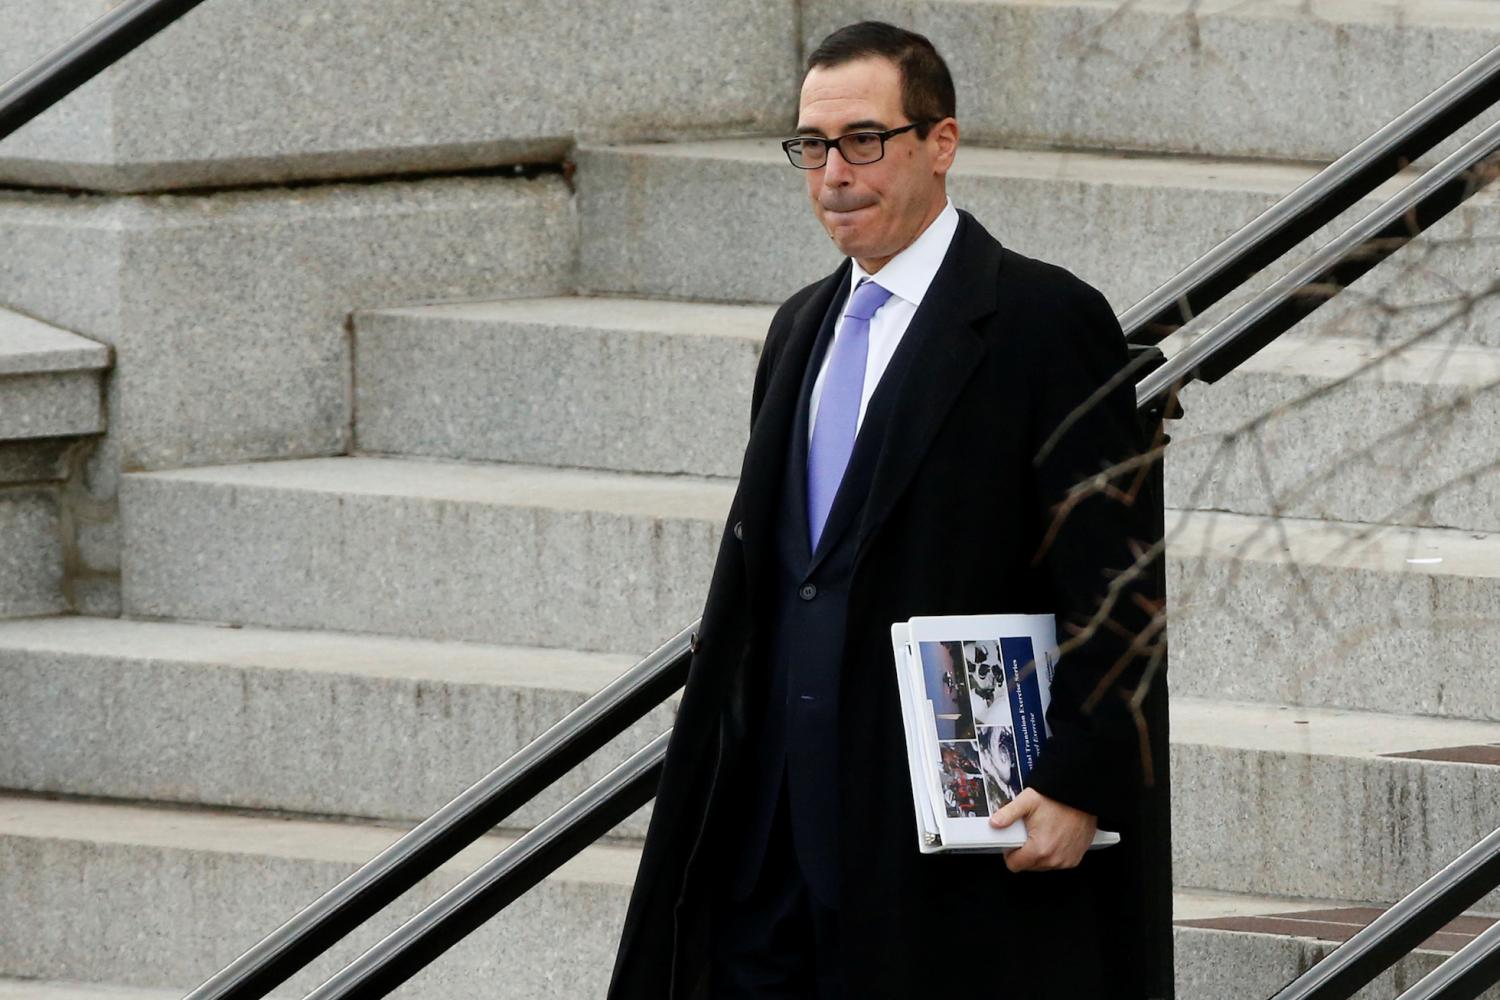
x=935, y=398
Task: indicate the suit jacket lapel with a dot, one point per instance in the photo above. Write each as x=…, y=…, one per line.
x=801, y=428
x=946, y=349
x=766, y=453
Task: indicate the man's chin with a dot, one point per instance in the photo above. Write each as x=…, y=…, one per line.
x=851, y=241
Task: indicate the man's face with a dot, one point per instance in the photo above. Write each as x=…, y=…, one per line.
x=872, y=211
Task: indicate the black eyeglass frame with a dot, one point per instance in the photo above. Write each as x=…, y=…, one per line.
x=832, y=144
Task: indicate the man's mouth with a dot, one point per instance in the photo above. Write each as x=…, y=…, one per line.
x=847, y=209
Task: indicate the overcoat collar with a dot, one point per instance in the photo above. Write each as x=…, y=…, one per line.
x=946, y=348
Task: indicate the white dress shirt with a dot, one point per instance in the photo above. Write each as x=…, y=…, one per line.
x=906, y=276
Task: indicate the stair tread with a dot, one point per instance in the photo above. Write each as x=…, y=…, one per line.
x=1196, y=720
x=29, y=346
x=314, y=651
x=531, y=486
x=220, y=832
x=597, y=312
x=1325, y=358
x=1320, y=731
x=1335, y=544
x=1126, y=169
x=250, y=834
x=39, y=989
x=1477, y=14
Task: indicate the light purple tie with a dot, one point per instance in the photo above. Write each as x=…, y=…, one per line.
x=838, y=406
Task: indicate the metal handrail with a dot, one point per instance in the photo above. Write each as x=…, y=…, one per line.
x=462, y=909
x=1465, y=974
x=448, y=919
x=83, y=57
x=455, y=826
x=1341, y=261
x=1415, y=208
x=1314, y=203
x=1418, y=206
x=1420, y=914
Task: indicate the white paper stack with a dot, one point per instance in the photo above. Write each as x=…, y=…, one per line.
x=974, y=696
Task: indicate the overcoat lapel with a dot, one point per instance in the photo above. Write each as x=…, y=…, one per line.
x=765, y=454
x=946, y=351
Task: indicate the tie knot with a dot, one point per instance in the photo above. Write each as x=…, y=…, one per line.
x=866, y=300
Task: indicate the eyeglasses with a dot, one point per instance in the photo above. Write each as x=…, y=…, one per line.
x=808, y=152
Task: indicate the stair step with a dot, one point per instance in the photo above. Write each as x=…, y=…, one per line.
x=610, y=383
x=1345, y=615
x=310, y=722
x=728, y=221
x=480, y=106
x=1185, y=76
x=1313, y=427
x=49, y=381
x=367, y=726
x=606, y=561
x=188, y=891
x=1345, y=429
x=504, y=554
x=1325, y=803
x=1229, y=947
x=199, y=887
x=37, y=989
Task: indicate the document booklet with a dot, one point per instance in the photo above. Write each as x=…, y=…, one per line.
x=974, y=696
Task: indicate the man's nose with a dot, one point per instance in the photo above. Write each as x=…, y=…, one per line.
x=836, y=170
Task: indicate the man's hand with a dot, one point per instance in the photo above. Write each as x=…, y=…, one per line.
x=1056, y=835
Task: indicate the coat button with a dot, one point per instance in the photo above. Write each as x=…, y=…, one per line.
x=693, y=643
x=808, y=592
x=739, y=530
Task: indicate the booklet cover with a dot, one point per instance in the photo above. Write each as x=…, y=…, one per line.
x=974, y=697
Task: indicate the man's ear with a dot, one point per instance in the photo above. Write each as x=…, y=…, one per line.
x=945, y=136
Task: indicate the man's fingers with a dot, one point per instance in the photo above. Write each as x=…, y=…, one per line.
x=1018, y=808
x=1022, y=859
x=1035, y=855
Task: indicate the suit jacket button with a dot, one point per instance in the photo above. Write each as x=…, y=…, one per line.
x=739, y=530
x=808, y=592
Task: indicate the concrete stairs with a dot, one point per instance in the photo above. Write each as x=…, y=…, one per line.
x=1277, y=79
x=1251, y=946
x=51, y=381
x=1124, y=221
x=203, y=881
x=177, y=870
x=561, y=381
x=38, y=989
x=312, y=722
x=200, y=886
x=51, y=413
x=388, y=729
x=455, y=485
x=443, y=550
x=269, y=91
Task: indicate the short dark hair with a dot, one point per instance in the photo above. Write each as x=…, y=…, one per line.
x=926, y=85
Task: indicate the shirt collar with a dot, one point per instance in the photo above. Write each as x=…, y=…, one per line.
x=908, y=274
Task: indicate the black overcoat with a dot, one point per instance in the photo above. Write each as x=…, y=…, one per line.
x=962, y=517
